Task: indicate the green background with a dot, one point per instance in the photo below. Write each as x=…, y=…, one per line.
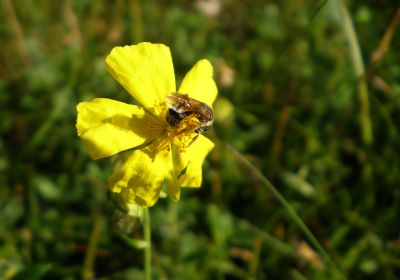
x=288, y=101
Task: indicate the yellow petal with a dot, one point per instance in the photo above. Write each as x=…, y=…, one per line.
x=145, y=71
x=108, y=127
x=188, y=163
x=139, y=179
x=199, y=83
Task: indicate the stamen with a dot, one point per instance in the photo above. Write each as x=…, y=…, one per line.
x=164, y=144
x=155, y=125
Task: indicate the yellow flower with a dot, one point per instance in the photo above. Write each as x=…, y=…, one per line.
x=161, y=153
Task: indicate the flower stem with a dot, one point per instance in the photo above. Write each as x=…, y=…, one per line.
x=292, y=213
x=87, y=271
x=147, y=238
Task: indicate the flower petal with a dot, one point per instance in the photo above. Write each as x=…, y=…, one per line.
x=140, y=178
x=199, y=83
x=145, y=70
x=188, y=163
x=108, y=127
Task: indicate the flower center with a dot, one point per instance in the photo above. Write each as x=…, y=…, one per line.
x=184, y=119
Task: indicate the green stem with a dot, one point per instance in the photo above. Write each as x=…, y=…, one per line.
x=87, y=271
x=147, y=238
x=359, y=70
x=292, y=213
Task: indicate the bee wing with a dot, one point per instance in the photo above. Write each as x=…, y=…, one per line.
x=181, y=103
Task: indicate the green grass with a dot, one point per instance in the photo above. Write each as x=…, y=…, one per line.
x=294, y=110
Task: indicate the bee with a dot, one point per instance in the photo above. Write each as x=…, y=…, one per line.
x=181, y=106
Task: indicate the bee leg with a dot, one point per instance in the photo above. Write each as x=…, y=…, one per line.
x=193, y=139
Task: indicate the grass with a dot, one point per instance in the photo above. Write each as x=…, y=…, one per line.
x=292, y=109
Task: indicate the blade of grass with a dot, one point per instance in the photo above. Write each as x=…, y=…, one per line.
x=319, y=8
x=359, y=70
x=387, y=38
x=135, y=10
x=292, y=213
x=269, y=240
x=17, y=31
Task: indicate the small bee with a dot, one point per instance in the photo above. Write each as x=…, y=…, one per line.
x=181, y=106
